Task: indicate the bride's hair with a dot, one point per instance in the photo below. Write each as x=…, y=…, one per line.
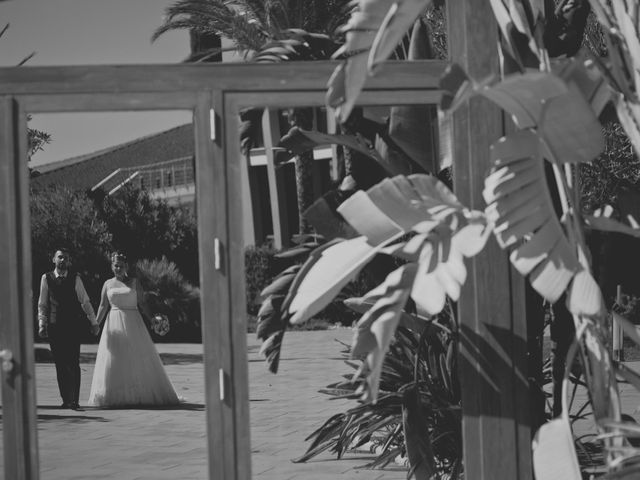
x=118, y=256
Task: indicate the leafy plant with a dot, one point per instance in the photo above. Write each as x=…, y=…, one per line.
x=168, y=293
x=148, y=228
x=417, y=414
x=555, y=112
x=616, y=167
x=63, y=218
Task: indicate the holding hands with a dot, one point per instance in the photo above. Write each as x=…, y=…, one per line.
x=95, y=330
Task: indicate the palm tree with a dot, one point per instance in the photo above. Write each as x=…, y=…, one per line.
x=267, y=31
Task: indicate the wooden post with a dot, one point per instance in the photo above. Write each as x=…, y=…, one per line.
x=277, y=184
x=16, y=318
x=336, y=172
x=214, y=307
x=235, y=326
x=258, y=210
x=492, y=309
x=616, y=331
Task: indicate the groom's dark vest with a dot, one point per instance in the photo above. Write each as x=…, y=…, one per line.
x=64, y=308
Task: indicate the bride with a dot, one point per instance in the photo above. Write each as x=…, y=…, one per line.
x=128, y=369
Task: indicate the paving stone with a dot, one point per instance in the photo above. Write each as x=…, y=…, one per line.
x=158, y=444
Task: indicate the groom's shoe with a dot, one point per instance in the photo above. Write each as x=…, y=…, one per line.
x=65, y=405
x=76, y=407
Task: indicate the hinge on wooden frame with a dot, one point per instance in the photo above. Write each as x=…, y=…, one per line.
x=212, y=123
x=217, y=262
x=221, y=384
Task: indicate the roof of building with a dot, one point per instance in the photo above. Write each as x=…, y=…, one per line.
x=85, y=171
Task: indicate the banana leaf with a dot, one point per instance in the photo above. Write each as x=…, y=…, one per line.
x=372, y=20
x=376, y=328
x=565, y=121
x=601, y=220
x=326, y=271
x=520, y=205
x=410, y=125
x=397, y=22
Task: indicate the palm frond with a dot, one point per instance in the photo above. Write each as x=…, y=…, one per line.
x=213, y=17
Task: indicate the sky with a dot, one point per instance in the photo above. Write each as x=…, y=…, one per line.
x=90, y=32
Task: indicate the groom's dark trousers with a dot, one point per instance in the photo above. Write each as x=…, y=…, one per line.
x=64, y=335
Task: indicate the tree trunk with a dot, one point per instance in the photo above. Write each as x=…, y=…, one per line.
x=304, y=188
x=303, y=118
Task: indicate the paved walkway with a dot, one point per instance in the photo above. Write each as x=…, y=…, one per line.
x=171, y=444
x=167, y=444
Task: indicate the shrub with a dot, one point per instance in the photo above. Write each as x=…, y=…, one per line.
x=616, y=166
x=168, y=293
x=148, y=228
x=418, y=381
x=62, y=217
x=259, y=267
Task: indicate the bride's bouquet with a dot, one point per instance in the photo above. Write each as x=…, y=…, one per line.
x=160, y=324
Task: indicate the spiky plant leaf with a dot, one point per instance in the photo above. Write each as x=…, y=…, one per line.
x=521, y=20
x=281, y=284
x=416, y=323
x=270, y=328
x=298, y=141
x=296, y=44
x=422, y=459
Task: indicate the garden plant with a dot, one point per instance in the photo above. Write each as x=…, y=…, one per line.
x=555, y=107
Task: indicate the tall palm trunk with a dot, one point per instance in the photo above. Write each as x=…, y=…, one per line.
x=303, y=118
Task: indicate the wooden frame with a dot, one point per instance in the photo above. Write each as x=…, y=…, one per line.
x=496, y=435
x=203, y=89
x=492, y=310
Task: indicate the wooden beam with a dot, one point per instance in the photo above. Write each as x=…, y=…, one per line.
x=277, y=183
x=16, y=317
x=214, y=307
x=189, y=77
x=492, y=314
x=235, y=329
x=108, y=102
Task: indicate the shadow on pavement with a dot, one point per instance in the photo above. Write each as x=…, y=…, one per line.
x=167, y=358
x=195, y=407
x=77, y=418
x=180, y=358
x=71, y=418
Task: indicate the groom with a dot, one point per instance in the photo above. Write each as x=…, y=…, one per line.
x=62, y=300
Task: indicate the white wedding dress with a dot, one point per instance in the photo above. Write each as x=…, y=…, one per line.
x=128, y=369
